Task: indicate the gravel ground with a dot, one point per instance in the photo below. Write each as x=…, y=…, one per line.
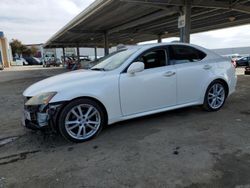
x=183, y=148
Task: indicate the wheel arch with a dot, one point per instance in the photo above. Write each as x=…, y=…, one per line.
x=205, y=102
x=83, y=97
x=223, y=81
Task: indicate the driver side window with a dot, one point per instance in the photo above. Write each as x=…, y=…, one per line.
x=153, y=59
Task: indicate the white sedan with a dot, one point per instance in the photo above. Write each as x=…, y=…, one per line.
x=129, y=83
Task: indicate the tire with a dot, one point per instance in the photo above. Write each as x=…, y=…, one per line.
x=214, y=101
x=77, y=122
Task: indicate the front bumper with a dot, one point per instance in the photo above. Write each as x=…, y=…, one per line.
x=31, y=125
x=40, y=117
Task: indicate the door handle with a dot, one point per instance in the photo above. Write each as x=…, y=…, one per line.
x=207, y=67
x=169, y=74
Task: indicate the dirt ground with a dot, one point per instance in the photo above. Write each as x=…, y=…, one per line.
x=183, y=148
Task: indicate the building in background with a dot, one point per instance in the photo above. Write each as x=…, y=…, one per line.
x=90, y=52
x=57, y=52
x=39, y=48
x=72, y=52
x=49, y=53
x=242, y=51
x=5, y=51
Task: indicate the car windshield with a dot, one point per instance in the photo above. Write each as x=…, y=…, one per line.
x=114, y=60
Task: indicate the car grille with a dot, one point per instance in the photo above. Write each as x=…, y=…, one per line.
x=32, y=109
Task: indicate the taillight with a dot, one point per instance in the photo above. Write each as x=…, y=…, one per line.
x=234, y=63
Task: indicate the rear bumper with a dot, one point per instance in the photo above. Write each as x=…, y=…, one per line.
x=232, y=85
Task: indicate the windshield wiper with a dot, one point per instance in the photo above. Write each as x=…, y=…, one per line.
x=98, y=69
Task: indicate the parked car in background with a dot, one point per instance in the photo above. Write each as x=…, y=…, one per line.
x=20, y=61
x=85, y=62
x=235, y=57
x=32, y=61
x=85, y=58
x=72, y=63
x=38, y=60
x=56, y=62
x=1, y=65
x=244, y=61
x=130, y=83
x=247, y=69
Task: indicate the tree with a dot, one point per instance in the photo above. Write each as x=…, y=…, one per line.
x=33, y=50
x=26, y=51
x=17, y=47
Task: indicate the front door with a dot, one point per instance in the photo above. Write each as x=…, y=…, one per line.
x=154, y=88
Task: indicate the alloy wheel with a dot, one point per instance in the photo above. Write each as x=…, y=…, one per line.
x=82, y=121
x=216, y=96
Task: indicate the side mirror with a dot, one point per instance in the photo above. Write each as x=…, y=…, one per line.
x=136, y=67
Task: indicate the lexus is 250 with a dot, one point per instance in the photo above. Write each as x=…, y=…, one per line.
x=129, y=83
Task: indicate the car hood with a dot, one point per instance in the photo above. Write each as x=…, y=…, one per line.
x=62, y=81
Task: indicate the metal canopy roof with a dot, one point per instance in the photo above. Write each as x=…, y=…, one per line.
x=133, y=21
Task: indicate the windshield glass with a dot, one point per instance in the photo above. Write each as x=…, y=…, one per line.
x=114, y=60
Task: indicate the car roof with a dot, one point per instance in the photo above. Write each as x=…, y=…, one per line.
x=145, y=46
x=206, y=51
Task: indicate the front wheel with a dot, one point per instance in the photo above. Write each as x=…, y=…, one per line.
x=215, y=96
x=81, y=120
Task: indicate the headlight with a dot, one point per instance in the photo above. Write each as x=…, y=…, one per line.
x=40, y=99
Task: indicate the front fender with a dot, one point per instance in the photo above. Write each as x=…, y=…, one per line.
x=105, y=91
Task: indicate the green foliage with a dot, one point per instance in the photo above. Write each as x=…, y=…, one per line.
x=18, y=48
x=33, y=50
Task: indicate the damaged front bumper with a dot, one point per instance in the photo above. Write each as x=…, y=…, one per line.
x=38, y=117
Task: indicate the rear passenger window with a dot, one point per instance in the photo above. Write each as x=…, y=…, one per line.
x=179, y=54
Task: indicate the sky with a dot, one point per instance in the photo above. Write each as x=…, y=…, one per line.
x=35, y=21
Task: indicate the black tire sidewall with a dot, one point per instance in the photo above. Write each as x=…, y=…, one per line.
x=68, y=107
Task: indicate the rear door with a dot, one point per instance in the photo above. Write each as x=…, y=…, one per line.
x=192, y=72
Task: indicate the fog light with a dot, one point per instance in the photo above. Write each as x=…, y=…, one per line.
x=42, y=119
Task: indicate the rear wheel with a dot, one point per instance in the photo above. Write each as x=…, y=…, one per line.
x=215, y=96
x=81, y=120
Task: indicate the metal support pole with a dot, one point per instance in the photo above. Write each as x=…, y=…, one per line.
x=95, y=53
x=78, y=53
x=55, y=53
x=159, y=39
x=64, y=58
x=187, y=28
x=182, y=34
x=106, y=44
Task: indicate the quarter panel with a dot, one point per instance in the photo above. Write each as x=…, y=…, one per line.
x=226, y=71
x=192, y=81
